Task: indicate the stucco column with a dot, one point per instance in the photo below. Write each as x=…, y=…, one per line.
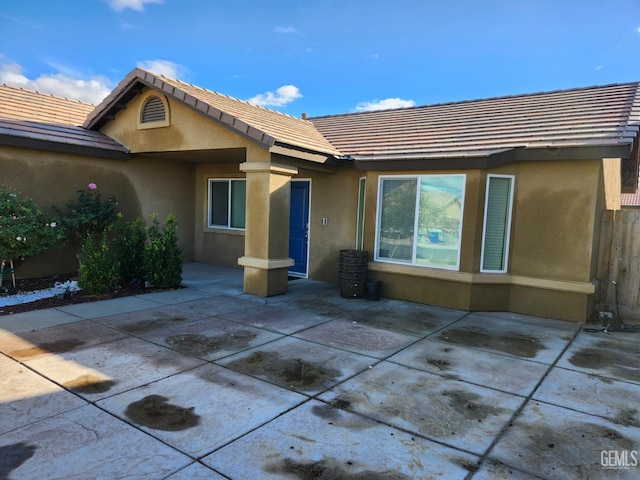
x=266, y=247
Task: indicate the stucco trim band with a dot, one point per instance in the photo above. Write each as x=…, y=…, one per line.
x=266, y=264
x=586, y=288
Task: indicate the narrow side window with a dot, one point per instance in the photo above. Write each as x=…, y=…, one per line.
x=362, y=188
x=497, y=224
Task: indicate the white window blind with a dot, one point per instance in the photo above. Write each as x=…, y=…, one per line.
x=497, y=223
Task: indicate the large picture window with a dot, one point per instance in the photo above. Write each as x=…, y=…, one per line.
x=420, y=220
x=497, y=224
x=227, y=202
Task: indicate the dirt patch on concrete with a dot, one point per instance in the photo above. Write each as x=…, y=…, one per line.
x=60, y=346
x=293, y=372
x=470, y=405
x=14, y=455
x=628, y=417
x=513, y=343
x=588, y=437
x=331, y=469
x=154, y=412
x=201, y=345
x=432, y=413
x=89, y=384
x=145, y=326
x=603, y=356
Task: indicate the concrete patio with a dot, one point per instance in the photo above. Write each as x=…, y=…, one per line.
x=205, y=382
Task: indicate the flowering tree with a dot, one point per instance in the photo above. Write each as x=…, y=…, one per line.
x=24, y=229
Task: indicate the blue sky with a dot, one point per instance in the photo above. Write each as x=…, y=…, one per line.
x=323, y=56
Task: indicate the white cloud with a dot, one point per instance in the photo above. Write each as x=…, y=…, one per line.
x=386, y=104
x=288, y=29
x=599, y=67
x=282, y=96
x=92, y=90
x=163, y=67
x=138, y=5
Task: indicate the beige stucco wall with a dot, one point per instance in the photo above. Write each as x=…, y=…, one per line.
x=556, y=213
x=334, y=196
x=215, y=245
x=141, y=187
x=188, y=130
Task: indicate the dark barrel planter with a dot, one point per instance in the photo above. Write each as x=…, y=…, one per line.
x=353, y=273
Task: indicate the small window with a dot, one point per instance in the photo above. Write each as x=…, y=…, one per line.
x=227, y=203
x=154, y=113
x=497, y=224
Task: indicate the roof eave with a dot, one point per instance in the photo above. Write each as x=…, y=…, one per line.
x=315, y=156
x=134, y=82
x=461, y=160
x=59, y=147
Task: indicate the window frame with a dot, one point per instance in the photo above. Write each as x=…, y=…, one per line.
x=229, y=182
x=507, y=234
x=362, y=193
x=415, y=242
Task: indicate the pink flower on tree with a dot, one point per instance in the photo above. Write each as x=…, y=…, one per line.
x=92, y=186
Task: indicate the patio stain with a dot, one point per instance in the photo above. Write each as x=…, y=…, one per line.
x=440, y=363
x=14, y=455
x=410, y=324
x=145, y=326
x=600, y=358
x=465, y=463
x=154, y=412
x=61, y=346
x=468, y=404
x=627, y=417
x=89, y=384
x=562, y=439
x=512, y=343
x=439, y=415
x=330, y=469
x=292, y=372
x=201, y=345
x=330, y=411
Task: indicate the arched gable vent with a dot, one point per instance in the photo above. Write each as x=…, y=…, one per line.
x=153, y=111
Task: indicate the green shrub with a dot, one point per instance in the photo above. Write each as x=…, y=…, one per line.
x=98, y=271
x=87, y=215
x=129, y=248
x=163, y=256
x=24, y=229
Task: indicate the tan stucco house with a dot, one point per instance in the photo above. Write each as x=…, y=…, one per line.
x=492, y=204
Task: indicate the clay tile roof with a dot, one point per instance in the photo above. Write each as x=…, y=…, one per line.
x=20, y=104
x=38, y=120
x=263, y=126
x=585, y=117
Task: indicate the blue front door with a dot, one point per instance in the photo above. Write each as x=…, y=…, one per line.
x=299, y=227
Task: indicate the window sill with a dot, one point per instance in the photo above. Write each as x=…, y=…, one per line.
x=483, y=278
x=223, y=231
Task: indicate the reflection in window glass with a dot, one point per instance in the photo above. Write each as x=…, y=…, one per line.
x=425, y=228
x=397, y=219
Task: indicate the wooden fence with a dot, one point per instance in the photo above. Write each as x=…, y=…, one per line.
x=619, y=264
